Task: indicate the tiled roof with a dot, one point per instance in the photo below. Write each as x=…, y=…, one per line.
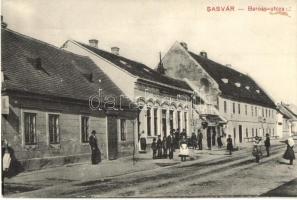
x=253, y=94
x=138, y=69
x=58, y=74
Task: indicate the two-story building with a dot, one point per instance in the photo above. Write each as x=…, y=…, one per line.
x=164, y=102
x=248, y=109
x=51, y=101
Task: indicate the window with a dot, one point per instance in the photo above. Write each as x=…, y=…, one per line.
x=266, y=112
x=123, y=129
x=186, y=121
x=53, y=129
x=256, y=111
x=178, y=120
x=84, y=129
x=234, y=108
x=256, y=132
x=246, y=132
x=262, y=112
x=171, y=119
x=252, y=108
x=252, y=132
x=148, y=117
x=30, y=128
x=239, y=108
x=269, y=112
x=155, y=121
x=245, y=109
x=225, y=106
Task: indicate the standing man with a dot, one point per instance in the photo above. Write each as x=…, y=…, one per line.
x=229, y=144
x=96, y=154
x=200, y=137
x=194, y=140
x=170, y=145
x=208, y=138
x=176, y=141
x=267, y=144
x=165, y=146
x=159, y=146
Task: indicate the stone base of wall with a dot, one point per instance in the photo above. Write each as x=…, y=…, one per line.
x=41, y=163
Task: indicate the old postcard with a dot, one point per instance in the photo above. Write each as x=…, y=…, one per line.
x=148, y=98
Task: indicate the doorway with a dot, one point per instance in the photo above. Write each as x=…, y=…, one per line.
x=240, y=133
x=112, y=135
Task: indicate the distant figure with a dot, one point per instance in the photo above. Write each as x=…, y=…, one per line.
x=200, y=137
x=267, y=144
x=159, y=147
x=183, y=134
x=170, y=145
x=208, y=138
x=164, y=145
x=257, y=152
x=154, y=148
x=96, y=154
x=229, y=144
x=142, y=142
x=194, y=140
x=219, y=140
x=176, y=137
x=289, y=154
x=10, y=165
x=183, y=150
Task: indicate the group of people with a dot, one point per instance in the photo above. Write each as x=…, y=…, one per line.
x=164, y=148
x=288, y=155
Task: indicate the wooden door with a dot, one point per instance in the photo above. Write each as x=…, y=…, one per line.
x=112, y=134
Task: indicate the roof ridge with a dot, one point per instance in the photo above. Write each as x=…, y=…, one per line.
x=42, y=42
x=137, y=62
x=218, y=63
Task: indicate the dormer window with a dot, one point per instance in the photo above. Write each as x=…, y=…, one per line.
x=247, y=87
x=225, y=80
x=237, y=84
x=258, y=91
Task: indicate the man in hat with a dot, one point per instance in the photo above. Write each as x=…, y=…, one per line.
x=267, y=144
x=96, y=154
x=200, y=137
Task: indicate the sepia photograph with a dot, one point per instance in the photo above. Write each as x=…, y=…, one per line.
x=148, y=98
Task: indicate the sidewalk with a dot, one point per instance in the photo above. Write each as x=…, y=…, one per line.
x=85, y=172
x=107, y=168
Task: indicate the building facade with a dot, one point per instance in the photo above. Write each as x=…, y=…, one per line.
x=164, y=103
x=246, y=107
x=47, y=115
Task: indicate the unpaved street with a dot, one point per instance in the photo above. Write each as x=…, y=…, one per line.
x=236, y=175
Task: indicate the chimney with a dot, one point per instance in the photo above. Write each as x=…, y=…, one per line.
x=203, y=54
x=93, y=43
x=184, y=45
x=115, y=50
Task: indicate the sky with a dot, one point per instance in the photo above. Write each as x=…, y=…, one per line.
x=257, y=43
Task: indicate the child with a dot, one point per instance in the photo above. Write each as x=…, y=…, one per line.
x=154, y=148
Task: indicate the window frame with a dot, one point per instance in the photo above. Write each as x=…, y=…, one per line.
x=123, y=130
x=88, y=129
x=23, y=124
x=48, y=128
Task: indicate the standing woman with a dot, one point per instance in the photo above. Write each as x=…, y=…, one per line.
x=96, y=154
x=289, y=154
x=229, y=144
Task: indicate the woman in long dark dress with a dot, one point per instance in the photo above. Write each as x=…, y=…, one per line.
x=229, y=144
x=96, y=154
x=289, y=154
